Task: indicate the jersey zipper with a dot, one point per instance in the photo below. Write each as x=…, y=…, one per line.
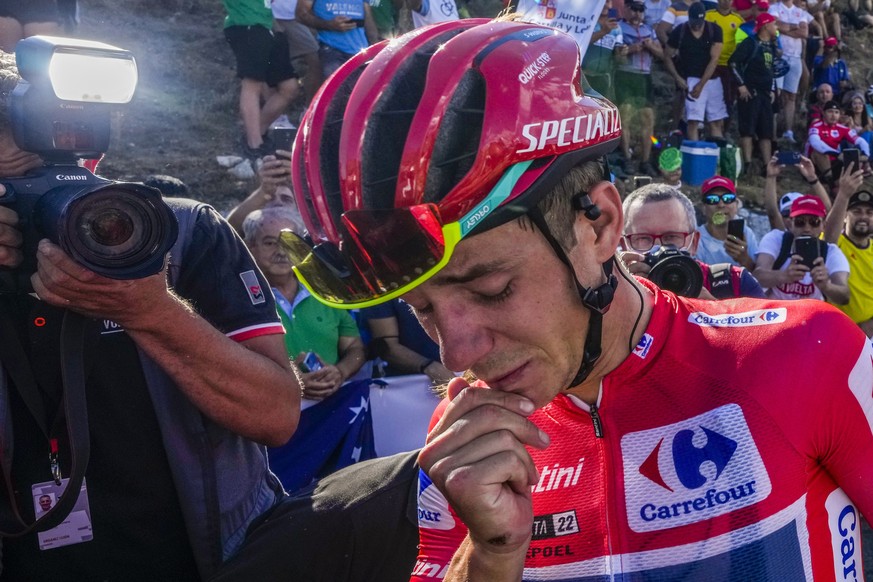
x=595, y=419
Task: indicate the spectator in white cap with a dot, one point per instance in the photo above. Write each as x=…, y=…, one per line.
x=796, y=264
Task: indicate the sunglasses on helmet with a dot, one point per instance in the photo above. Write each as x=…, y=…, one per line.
x=388, y=252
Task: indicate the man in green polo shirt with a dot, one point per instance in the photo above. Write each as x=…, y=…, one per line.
x=310, y=326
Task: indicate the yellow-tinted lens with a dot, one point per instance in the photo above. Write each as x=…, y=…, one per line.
x=387, y=253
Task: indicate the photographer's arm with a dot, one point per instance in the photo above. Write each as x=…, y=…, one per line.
x=246, y=387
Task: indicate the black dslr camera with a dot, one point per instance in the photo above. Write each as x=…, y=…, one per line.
x=674, y=270
x=61, y=110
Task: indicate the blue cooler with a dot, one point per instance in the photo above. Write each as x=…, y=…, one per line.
x=699, y=161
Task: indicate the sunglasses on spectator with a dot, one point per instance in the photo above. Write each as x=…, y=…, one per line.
x=637, y=7
x=643, y=241
x=801, y=221
x=713, y=199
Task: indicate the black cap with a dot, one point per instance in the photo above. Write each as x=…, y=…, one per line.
x=637, y=6
x=696, y=13
x=861, y=197
x=831, y=105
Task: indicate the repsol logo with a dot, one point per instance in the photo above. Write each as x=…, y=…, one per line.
x=651, y=512
x=71, y=178
x=550, y=551
x=570, y=130
x=534, y=68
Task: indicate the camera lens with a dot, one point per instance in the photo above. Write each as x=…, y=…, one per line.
x=679, y=274
x=120, y=230
x=111, y=226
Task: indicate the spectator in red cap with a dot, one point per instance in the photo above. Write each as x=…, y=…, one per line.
x=830, y=68
x=752, y=67
x=796, y=264
x=720, y=204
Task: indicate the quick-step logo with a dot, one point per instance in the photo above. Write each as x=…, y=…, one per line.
x=692, y=471
x=433, y=507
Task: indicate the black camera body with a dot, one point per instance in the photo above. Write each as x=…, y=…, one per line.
x=674, y=270
x=117, y=229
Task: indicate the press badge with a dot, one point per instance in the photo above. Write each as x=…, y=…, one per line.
x=75, y=529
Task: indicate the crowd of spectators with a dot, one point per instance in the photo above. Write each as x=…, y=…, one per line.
x=757, y=74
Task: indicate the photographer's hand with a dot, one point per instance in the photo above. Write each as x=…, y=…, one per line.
x=61, y=281
x=10, y=236
x=635, y=263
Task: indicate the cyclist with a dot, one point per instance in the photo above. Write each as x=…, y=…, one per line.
x=615, y=431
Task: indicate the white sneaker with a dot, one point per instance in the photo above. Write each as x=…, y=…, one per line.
x=284, y=122
x=789, y=136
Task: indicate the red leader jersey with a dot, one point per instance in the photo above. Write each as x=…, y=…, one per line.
x=737, y=445
x=832, y=135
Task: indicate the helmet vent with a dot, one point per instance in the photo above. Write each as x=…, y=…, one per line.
x=330, y=143
x=389, y=124
x=460, y=133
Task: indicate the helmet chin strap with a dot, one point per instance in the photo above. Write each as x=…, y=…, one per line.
x=596, y=299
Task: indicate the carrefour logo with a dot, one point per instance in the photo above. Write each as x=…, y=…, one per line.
x=745, y=319
x=433, y=507
x=693, y=470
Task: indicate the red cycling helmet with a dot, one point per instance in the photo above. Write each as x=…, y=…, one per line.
x=447, y=130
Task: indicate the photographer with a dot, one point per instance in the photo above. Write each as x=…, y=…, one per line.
x=181, y=384
x=789, y=272
x=658, y=214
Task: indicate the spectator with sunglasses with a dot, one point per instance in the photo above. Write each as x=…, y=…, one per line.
x=720, y=204
x=791, y=278
x=658, y=215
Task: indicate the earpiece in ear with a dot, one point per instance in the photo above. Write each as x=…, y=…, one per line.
x=583, y=202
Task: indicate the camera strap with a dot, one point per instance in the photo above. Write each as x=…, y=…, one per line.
x=17, y=365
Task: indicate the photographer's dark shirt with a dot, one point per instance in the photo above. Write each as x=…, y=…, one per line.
x=135, y=511
x=138, y=527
